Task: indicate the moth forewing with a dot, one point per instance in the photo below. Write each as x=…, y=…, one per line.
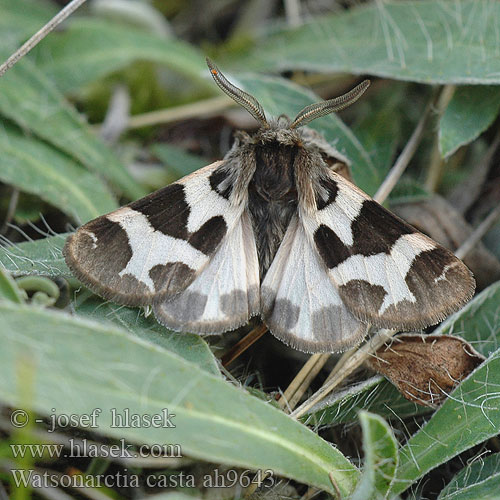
x=387, y=273
x=224, y=295
x=272, y=229
x=157, y=245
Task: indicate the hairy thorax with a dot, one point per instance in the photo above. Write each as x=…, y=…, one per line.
x=284, y=163
x=272, y=198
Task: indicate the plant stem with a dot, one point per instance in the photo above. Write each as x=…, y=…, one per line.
x=206, y=107
x=355, y=361
x=404, y=158
x=40, y=35
x=478, y=233
x=243, y=344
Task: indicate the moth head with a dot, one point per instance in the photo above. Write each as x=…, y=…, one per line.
x=308, y=114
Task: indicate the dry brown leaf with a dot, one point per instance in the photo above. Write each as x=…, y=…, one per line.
x=426, y=368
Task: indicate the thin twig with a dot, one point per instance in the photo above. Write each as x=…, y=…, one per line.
x=292, y=12
x=466, y=192
x=404, y=158
x=310, y=493
x=435, y=169
x=302, y=380
x=40, y=35
x=336, y=486
x=341, y=362
x=294, y=400
x=478, y=233
x=243, y=344
x=436, y=162
x=11, y=210
x=256, y=483
x=355, y=361
x=297, y=380
x=205, y=108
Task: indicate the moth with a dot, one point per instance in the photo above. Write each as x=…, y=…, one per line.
x=272, y=230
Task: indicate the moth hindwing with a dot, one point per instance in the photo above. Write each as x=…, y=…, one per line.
x=272, y=230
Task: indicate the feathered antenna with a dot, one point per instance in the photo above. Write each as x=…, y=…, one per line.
x=323, y=108
x=243, y=98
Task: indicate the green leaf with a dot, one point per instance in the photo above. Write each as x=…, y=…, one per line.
x=187, y=345
x=478, y=322
x=91, y=48
x=470, y=112
x=179, y=162
x=480, y=479
x=468, y=417
x=420, y=40
x=380, y=130
x=279, y=96
x=36, y=168
x=376, y=395
x=408, y=191
x=19, y=19
x=9, y=289
x=44, y=291
x=80, y=365
x=381, y=458
x=43, y=257
x=29, y=99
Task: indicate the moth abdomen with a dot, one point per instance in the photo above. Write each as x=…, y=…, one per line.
x=270, y=221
